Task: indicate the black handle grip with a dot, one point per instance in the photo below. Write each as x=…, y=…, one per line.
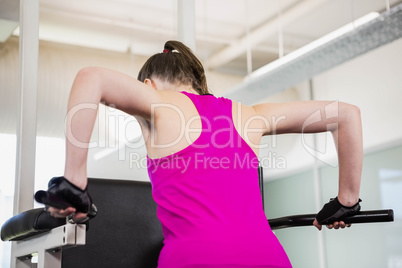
x=385, y=215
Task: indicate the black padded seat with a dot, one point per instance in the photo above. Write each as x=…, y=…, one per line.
x=125, y=233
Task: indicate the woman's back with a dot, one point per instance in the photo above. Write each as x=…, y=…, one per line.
x=208, y=196
x=176, y=124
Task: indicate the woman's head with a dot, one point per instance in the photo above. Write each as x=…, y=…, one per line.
x=176, y=65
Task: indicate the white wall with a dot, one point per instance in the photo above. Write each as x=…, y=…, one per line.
x=374, y=83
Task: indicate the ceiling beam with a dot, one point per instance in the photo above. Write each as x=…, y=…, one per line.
x=186, y=22
x=261, y=33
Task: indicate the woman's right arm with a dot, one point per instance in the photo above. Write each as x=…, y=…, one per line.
x=92, y=86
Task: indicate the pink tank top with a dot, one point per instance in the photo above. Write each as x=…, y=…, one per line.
x=208, y=198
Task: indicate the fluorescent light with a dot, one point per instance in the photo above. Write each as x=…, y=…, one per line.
x=354, y=39
x=313, y=45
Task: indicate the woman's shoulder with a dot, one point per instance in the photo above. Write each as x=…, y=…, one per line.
x=243, y=109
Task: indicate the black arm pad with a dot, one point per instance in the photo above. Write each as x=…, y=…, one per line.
x=29, y=223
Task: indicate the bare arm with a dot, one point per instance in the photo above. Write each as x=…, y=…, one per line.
x=341, y=119
x=92, y=86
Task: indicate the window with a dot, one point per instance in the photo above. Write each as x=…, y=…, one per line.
x=7, y=163
x=50, y=156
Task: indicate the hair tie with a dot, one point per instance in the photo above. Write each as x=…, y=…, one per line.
x=170, y=51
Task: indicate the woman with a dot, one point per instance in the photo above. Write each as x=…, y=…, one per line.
x=202, y=159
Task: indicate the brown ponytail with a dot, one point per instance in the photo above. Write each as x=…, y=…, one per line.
x=177, y=65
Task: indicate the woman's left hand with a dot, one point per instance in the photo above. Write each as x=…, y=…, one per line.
x=336, y=225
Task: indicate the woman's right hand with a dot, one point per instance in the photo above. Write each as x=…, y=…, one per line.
x=61, y=213
x=77, y=217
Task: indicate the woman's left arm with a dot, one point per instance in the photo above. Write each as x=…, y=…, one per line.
x=341, y=119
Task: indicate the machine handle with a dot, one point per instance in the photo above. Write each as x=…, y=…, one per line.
x=385, y=215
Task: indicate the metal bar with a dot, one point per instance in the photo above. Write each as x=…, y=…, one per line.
x=386, y=215
x=261, y=182
x=26, y=132
x=26, y=127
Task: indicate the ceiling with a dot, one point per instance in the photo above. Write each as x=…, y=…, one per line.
x=226, y=30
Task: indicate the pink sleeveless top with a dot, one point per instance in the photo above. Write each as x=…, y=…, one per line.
x=209, y=201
